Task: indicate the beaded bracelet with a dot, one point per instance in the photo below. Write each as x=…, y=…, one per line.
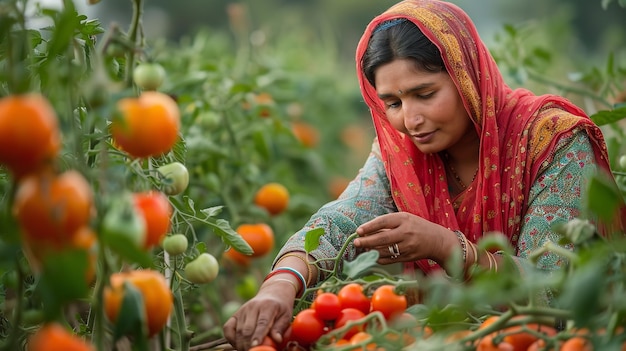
x=291, y=271
x=306, y=263
x=461, y=238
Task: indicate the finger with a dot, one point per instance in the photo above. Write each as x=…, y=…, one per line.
x=263, y=323
x=280, y=326
x=246, y=325
x=230, y=330
x=375, y=225
x=379, y=241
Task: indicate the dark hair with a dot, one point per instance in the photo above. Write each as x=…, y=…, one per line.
x=399, y=39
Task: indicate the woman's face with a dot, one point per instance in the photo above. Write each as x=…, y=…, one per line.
x=424, y=105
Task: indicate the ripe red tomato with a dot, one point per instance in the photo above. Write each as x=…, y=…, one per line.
x=327, y=306
x=346, y=315
x=156, y=210
x=388, y=302
x=352, y=296
x=307, y=327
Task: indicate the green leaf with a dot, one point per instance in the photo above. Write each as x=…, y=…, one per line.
x=212, y=211
x=62, y=280
x=603, y=198
x=609, y=116
x=222, y=228
x=312, y=239
x=361, y=264
x=131, y=319
x=582, y=291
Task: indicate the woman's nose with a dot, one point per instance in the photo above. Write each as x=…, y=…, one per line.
x=413, y=117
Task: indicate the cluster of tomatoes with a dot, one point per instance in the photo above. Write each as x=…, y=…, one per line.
x=346, y=314
x=54, y=206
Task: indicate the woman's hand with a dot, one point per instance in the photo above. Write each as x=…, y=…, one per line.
x=268, y=313
x=403, y=237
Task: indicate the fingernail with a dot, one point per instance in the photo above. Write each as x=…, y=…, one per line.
x=255, y=342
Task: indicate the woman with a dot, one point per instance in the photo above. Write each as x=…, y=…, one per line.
x=457, y=154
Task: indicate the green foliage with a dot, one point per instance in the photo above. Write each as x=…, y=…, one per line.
x=239, y=99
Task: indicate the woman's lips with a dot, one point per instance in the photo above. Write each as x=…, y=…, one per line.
x=423, y=138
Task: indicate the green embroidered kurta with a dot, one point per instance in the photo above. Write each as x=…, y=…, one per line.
x=555, y=196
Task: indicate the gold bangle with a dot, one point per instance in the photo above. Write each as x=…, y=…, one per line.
x=490, y=259
x=295, y=287
x=495, y=263
x=306, y=263
x=474, y=252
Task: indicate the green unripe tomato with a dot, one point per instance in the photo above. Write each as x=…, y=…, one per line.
x=175, y=244
x=203, y=269
x=123, y=225
x=149, y=76
x=622, y=162
x=175, y=178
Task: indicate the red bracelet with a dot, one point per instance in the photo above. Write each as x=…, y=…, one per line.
x=293, y=273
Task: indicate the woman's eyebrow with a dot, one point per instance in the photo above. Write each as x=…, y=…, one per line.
x=408, y=91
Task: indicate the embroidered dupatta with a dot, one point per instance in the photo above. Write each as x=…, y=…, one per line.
x=515, y=140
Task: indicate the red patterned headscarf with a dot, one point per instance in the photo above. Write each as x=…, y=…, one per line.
x=514, y=138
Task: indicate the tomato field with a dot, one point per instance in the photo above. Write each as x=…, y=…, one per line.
x=145, y=187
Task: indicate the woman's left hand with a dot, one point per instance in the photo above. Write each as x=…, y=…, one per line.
x=403, y=237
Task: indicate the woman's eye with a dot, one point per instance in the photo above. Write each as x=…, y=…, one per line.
x=394, y=104
x=426, y=96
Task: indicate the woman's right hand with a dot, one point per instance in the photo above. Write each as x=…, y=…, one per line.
x=268, y=313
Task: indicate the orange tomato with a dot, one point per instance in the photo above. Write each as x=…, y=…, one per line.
x=273, y=197
x=516, y=336
x=305, y=133
x=157, y=297
x=577, y=343
x=259, y=236
x=54, y=337
x=51, y=208
x=487, y=344
x=29, y=133
x=386, y=301
x=361, y=338
x=262, y=348
x=156, y=211
x=86, y=239
x=237, y=257
x=337, y=185
x=146, y=126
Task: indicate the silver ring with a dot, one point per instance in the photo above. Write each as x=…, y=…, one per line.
x=394, y=250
